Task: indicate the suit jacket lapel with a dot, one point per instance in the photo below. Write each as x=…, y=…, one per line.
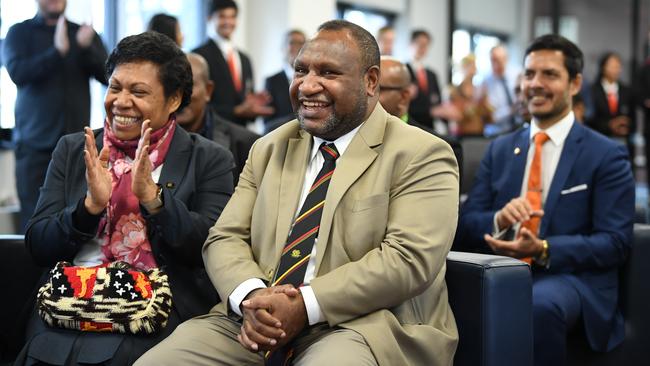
x=293, y=174
x=354, y=162
x=570, y=151
x=512, y=187
x=178, y=155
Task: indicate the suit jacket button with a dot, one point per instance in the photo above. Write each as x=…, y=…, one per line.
x=270, y=273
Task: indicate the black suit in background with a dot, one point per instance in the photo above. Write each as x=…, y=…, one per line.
x=225, y=97
x=626, y=107
x=233, y=137
x=53, y=97
x=278, y=87
x=420, y=107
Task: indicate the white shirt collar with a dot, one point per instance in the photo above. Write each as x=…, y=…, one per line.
x=341, y=143
x=222, y=43
x=609, y=87
x=288, y=71
x=558, y=132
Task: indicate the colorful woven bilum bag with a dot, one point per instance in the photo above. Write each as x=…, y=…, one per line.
x=111, y=298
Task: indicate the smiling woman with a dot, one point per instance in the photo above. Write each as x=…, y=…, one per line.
x=139, y=191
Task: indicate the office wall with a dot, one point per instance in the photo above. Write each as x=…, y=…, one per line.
x=603, y=25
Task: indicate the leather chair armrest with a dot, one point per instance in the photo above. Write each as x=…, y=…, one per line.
x=491, y=297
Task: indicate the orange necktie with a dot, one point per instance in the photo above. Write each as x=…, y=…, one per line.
x=422, y=79
x=612, y=102
x=232, y=66
x=534, y=189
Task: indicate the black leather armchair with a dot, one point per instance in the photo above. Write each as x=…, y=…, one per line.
x=19, y=277
x=491, y=297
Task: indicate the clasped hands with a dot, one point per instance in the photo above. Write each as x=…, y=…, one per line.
x=526, y=243
x=98, y=176
x=272, y=318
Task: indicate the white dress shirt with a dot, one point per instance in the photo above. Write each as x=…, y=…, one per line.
x=288, y=71
x=610, y=87
x=551, y=152
x=226, y=46
x=316, y=160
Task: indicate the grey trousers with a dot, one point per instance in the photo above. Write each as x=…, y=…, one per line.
x=212, y=340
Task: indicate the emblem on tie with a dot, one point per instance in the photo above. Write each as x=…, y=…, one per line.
x=300, y=243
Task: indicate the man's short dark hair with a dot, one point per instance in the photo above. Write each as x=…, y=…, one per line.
x=418, y=33
x=217, y=5
x=174, y=71
x=573, y=59
x=165, y=24
x=367, y=44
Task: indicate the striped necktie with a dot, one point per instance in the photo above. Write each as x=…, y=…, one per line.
x=298, y=248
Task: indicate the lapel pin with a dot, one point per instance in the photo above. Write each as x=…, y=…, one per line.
x=170, y=185
x=517, y=150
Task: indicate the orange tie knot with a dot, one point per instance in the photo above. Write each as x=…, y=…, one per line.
x=541, y=138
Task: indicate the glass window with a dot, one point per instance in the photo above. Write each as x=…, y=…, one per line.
x=134, y=15
x=466, y=41
x=370, y=20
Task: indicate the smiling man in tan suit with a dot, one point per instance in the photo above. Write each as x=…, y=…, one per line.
x=364, y=244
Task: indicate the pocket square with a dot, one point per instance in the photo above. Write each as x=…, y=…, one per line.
x=578, y=188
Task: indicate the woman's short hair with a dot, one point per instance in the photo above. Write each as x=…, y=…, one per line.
x=174, y=70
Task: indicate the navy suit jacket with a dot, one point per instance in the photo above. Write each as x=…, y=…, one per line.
x=588, y=218
x=225, y=97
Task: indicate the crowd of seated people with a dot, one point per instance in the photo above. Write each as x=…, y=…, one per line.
x=321, y=252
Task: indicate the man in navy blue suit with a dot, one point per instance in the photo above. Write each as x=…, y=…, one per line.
x=564, y=200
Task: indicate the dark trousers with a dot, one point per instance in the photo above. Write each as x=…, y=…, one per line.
x=556, y=310
x=31, y=166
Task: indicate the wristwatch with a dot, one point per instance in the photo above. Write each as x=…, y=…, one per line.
x=154, y=204
x=542, y=259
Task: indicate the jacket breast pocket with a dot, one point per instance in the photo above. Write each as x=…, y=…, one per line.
x=370, y=202
x=363, y=224
x=574, y=204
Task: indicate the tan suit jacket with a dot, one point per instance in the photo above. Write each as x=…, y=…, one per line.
x=388, y=222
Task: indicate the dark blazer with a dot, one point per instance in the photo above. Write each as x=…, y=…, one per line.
x=588, y=218
x=235, y=138
x=626, y=107
x=420, y=107
x=278, y=87
x=225, y=97
x=197, y=183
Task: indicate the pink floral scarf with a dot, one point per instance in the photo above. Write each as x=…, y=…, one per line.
x=123, y=230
